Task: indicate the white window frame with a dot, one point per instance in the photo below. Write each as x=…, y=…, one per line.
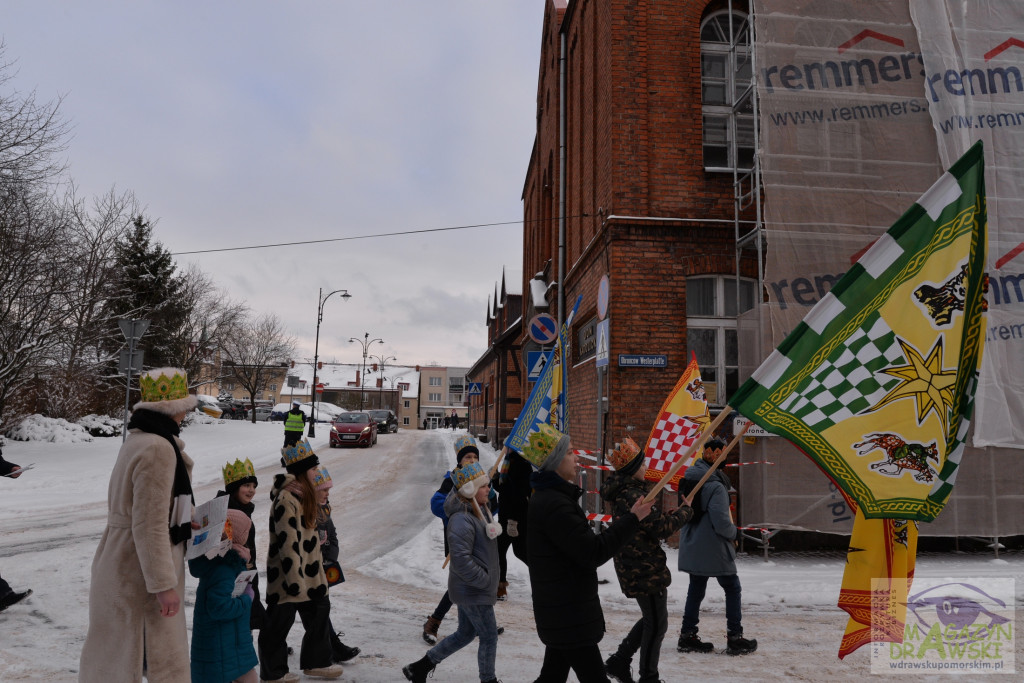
x=724, y=326
x=738, y=125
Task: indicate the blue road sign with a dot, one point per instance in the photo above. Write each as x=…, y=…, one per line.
x=543, y=328
x=475, y=389
x=535, y=362
x=642, y=360
x=601, y=354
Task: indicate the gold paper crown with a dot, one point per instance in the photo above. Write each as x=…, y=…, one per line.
x=541, y=443
x=624, y=454
x=321, y=478
x=238, y=470
x=157, y=388
x=297, y=453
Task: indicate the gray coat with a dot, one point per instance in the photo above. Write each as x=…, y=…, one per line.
x=473, y=569
x=705, y=545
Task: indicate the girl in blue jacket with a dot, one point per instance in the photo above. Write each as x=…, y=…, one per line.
x=222, y=649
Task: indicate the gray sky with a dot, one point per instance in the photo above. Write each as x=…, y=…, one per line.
x=258, y=122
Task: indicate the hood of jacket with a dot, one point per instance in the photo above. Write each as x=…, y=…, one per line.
x=456, y=503
x=203, y=566
x=280, y=481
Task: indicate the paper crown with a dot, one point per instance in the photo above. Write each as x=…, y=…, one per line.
x=541, y=443
x=322, y=479
x=163, y=384
x=626, y=456
x=299, y=458
x=469, y=478
x=237, y=471
x=465, y=444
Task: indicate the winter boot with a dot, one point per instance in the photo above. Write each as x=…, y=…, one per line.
x=418, y=670
x=618, y=668
x=430, y=627
x=689, y=641
x=332, y=671
x=13, y=598
x=738, y=645
x=503, y=590
x=287, y=678
x=340, y=651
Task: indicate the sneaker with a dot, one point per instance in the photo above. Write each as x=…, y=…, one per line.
x=332, y=671
x=287, y=678
x=738, y=645
x=618, y=668
x=13, y=598
x=691, y=642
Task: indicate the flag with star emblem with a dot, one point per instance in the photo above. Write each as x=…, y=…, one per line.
x=681, y=421
x=876, y=385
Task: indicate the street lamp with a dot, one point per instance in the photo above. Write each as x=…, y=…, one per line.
x=365, y=341
x=382, y=360
x=316, y=350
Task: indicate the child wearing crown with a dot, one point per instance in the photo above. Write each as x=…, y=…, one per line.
x=472, y=576
x=296, y=583
x=240, y=486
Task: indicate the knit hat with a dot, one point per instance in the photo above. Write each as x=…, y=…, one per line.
x=165, y=390
x=627, y=457
x=238, y=473
x=322, y=479
x=299, y=458
x=469, y=479
x=546, y=448
x=463, y=445
x=237, y=529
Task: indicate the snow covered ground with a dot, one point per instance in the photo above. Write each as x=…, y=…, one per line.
x=51, y=519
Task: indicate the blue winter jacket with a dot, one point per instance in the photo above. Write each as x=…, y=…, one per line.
x=222, y=647
x=473, y=571
x=705, y=545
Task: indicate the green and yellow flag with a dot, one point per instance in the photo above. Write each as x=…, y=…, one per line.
x=876, y=385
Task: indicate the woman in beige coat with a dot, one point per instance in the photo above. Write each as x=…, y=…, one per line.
x=136, y=624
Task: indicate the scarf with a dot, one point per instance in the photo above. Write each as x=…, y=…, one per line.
x=152, y=422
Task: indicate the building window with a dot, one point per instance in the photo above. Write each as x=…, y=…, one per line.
x=406, y=404
x=435, y=381
x=405, y=420
x=273, y=386
x=436, y=398
x=727, y=107
x=711, y=307
x=228, y=386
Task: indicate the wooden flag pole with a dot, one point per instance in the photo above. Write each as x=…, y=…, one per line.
x=497, y=463
x=686, y=456
x=718, y=461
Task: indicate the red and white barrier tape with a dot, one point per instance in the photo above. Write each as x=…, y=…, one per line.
x=754, y=528
x=593, y=516
x=753, y=462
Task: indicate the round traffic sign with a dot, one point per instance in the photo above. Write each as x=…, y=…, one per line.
x=543, y=329
x=320, y=388
x=602, y=298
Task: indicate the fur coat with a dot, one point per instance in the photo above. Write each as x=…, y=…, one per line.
x=295, y=571
x=134, y=561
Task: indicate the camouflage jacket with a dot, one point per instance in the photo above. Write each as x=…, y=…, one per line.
x=640, y=565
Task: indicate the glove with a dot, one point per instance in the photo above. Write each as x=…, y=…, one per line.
x=513, y=528
x=249, y=591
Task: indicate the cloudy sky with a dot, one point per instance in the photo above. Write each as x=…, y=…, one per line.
x=260, y=122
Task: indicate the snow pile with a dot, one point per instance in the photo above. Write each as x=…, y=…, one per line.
x=50, y=429
x=102, y=425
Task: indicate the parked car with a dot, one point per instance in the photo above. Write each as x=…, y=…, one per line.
x=208, y=404
x=263, y=413
x=233, y=410
x=387, y=421
x=353, y=429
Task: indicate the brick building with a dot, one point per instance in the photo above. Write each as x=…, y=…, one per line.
x=652, y=101
x=500, y=369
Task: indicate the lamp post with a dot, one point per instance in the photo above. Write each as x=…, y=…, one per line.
x=365, y=341
x=316, y=350
x=382, y=360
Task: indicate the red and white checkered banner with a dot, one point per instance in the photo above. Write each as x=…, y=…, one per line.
x=670, y=438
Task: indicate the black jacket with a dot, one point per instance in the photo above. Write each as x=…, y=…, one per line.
x=258, y=611
x=564, y=556
x=514, y=488
x=5, y=467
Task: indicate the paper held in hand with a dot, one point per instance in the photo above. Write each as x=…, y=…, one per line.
x=241, y=581
x=210, y=516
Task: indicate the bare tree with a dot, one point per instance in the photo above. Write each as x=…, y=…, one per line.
x=256, y=346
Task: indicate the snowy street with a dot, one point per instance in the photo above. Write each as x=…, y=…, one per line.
x=391, y=550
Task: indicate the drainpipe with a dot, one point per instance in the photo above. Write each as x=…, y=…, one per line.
x=561, y=179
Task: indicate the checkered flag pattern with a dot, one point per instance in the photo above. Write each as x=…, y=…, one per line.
x=669, y=440
x=848, y=382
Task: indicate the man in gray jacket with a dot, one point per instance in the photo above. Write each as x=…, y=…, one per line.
x=706, y=549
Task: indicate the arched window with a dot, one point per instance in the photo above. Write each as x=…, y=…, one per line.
x=725, y=68
x=711, y=313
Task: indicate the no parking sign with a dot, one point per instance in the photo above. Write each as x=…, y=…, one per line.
x=543, y=329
